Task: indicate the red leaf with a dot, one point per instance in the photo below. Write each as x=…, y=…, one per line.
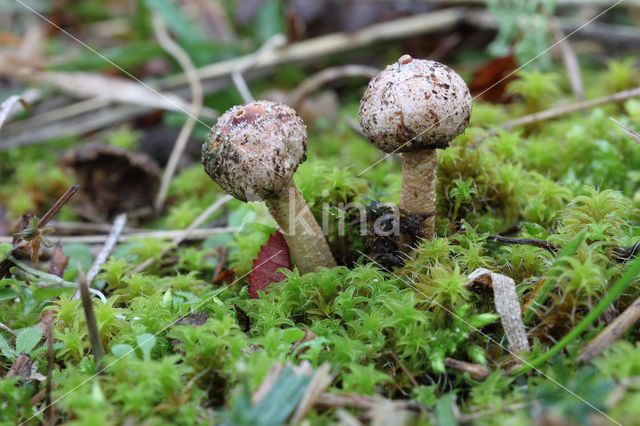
x=273, y=255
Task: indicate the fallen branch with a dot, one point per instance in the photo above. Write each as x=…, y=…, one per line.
x=611, y=333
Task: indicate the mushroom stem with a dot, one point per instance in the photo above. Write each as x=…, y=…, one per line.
x=303, y=234
x=419, y=186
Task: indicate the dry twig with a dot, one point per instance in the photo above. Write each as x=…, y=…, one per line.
x=183, y=235
x=569, y=58
x=174, y=49
x=314, y=82
x=563, y=110
x=634, y=135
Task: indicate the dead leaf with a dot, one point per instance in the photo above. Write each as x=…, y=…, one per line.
x=113, y=180
x=272, y=256
x=59, y=261
x=21, y=367
x=487, y=81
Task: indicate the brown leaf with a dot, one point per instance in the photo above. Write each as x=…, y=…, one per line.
x=487, y=82
x=59, y=261
x=21, y=366
x=113, y=180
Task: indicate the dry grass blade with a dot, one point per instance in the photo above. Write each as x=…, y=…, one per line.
x=112, y=240
x=183, y=235
x=507, y=306
x=7, y=104
x=319, y=383
x=8, y=330
x=634, y=135
x=174, y=49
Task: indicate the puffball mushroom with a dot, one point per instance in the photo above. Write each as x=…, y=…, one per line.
x=252, y=153
x=413, y=107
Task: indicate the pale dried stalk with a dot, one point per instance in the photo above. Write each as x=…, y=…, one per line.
x=634, y=135
x=174, y=49
x=316, y=81
x=611, y=333
x=507, y=306
x=106, y=250
x=569, y=58
x=188, y=232
x=7, y=104
x=319, y=383
x=568, y=109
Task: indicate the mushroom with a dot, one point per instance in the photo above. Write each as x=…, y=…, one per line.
x=415, y=106
x=252, y=153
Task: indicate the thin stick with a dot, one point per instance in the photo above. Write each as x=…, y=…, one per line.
x=106, y=250
x=118, y=224
x=569, y=58
x=174, y=49
x=524, y=241
x=58, y=205
x=611, y=333
x=634, y=135
x=92, y=325
x=8, y=330
x=198, y=234
x=404, y=369
x=568, y=109
x=314, y=82
x=184, y=234
x=237, y=77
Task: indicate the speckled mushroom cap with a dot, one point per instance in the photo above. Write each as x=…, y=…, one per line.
x=415, y=104
x=253, y=150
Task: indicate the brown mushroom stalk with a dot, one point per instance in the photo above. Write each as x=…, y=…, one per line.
x=252, y=153
x=301, y=230
x=414, y=107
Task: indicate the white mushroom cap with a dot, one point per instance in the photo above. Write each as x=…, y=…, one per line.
x=415, y=104
x=253, y=150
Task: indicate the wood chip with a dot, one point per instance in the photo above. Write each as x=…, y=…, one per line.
x=476, y=371
x=507, y=306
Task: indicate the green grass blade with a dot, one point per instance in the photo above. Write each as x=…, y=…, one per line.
x=569, y=250
x=615, y=291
